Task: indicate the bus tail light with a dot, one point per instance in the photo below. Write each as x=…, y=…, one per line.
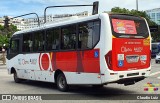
x=108, y=58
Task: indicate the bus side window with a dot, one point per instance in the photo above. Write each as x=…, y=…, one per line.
x=14, y=46
x=52, y=39
x=96, y=32
x=88, y=35
x=69, y=38
x=27, y=43
x=38, y=41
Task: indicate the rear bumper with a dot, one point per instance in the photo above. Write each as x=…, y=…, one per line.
x=124, y=77
x=128, y=81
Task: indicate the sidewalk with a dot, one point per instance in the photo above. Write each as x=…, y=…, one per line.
x=2, y=65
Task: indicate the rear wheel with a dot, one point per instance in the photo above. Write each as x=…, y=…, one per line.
x=16, y=79
x=156, y=61
x=62, y=83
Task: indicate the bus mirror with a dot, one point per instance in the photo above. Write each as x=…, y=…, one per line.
x=95, y=8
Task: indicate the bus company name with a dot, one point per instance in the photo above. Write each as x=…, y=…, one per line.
x=33, y=61
x=133, y=43
x=127, y=49
x=25, y=62
x=138, y=49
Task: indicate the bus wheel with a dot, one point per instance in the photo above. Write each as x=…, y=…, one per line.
x=16, y=79
x=98, y=86
x=62, y=83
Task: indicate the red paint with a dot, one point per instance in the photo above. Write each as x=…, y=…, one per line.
x=45, y=61
x=129, y=47
x=90, y=62
x=71, y=61
x=66, y=61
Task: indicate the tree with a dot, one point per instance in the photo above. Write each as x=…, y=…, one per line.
x=155, y=35
x=135, y=13
x=6, y=33
x=4, y=40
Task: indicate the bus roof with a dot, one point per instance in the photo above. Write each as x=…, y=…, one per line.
x=68, y=22
x=61, y=23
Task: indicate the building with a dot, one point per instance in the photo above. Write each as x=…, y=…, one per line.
x=154, y=15
x=29, y=23
x=1, y=21
x=19, y=22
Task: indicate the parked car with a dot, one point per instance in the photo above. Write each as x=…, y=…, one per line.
x=157, y=59
x=154, y=50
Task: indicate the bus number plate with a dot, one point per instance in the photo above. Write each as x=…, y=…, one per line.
x=132, y=58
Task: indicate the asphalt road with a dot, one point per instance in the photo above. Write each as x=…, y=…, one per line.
x=112, y=91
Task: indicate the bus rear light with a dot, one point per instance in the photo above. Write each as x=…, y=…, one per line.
x=108, y=58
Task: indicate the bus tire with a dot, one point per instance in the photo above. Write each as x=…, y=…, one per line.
x=16, y=79
x=62, y=83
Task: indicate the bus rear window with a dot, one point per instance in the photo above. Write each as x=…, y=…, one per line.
x=126, y=26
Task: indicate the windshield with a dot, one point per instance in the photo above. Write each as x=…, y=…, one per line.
x=155, y=48
x=126, y=26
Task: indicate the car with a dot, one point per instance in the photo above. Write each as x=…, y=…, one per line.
x=157, y=59
x=154, y=50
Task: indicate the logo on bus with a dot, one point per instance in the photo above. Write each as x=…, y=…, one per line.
x=96, y=54
x=44, y=61
x=125, y=49
x=120, y=63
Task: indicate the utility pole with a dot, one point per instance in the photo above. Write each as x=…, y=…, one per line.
x=137, y=5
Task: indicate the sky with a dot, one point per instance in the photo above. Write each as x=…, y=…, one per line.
x=19, y=7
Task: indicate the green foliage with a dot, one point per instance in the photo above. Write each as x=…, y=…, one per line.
x=4, y=40
x=133, y=12
x=155, y=35
x=6, y=33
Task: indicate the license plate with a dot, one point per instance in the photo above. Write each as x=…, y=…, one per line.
x=132, y=58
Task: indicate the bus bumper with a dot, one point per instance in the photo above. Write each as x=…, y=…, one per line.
x=126, y=77
x=129, y=81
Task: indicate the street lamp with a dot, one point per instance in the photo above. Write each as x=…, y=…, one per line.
x=137, y=5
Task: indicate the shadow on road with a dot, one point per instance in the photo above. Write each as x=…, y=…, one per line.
x=83, y=92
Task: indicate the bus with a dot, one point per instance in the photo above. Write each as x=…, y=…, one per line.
x=95, y=50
